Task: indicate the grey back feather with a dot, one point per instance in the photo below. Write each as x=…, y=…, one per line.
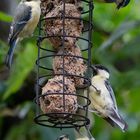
x=109, y=88
x=22, y=15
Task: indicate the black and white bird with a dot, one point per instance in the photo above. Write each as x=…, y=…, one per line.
x=103, y=102
x=63, y=137
x=85, y=138
x=26, y=18
x=119, y=3
x=83, y=133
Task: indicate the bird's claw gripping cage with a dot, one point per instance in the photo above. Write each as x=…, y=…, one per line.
x=56, y=94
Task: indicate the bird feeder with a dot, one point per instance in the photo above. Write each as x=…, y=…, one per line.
x=63, y=63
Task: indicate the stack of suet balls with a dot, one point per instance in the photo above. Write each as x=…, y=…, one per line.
x=63, y=27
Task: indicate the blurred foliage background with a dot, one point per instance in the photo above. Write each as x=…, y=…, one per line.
x=116, y=40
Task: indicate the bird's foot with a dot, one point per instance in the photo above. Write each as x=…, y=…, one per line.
x=97, y=90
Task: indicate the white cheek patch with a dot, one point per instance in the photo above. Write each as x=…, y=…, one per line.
x=104, y=73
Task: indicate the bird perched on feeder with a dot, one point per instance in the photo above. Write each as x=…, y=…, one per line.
x=84, y=133
x=85, y=138
x=102, y=98
x=66, y=137
x=63, y=137
x=25, y=21
x=119, y=3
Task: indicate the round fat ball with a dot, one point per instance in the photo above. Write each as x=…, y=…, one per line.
x=73, y=65
x=53, y=103
x=57, y=28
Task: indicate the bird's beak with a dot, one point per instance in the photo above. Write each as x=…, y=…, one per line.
x=93, y=67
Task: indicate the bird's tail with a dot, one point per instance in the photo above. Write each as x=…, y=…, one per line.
x=8, y=60
x=116, y=120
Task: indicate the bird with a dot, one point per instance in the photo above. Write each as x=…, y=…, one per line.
x=83, y=133
x=101, y=95
x=84, y=138
x=25, y=20
x=63, y=137
x=119, y=3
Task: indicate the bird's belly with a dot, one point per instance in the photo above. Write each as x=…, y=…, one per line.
x=99, y=103
x=29, y=28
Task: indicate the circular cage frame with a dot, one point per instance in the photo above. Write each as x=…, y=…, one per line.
x=69, y=120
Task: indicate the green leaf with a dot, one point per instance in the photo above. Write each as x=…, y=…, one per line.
x=134, y=97
x=4, y=17
x=122, y=29
x=24, y=64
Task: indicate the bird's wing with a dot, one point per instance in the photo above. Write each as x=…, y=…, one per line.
x=116, y=120
x=108, y=1
x=22, y=15
x=109, y=88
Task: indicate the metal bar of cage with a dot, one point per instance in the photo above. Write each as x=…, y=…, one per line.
x=63, y=40
x=90, y=45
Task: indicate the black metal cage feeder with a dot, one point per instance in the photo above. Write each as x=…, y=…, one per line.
x=58, y=103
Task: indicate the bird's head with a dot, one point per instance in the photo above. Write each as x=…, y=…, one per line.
x=100, y=70
x=122, y=3
x=63, y=137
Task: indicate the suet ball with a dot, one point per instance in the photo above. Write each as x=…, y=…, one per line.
x=53, y=103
